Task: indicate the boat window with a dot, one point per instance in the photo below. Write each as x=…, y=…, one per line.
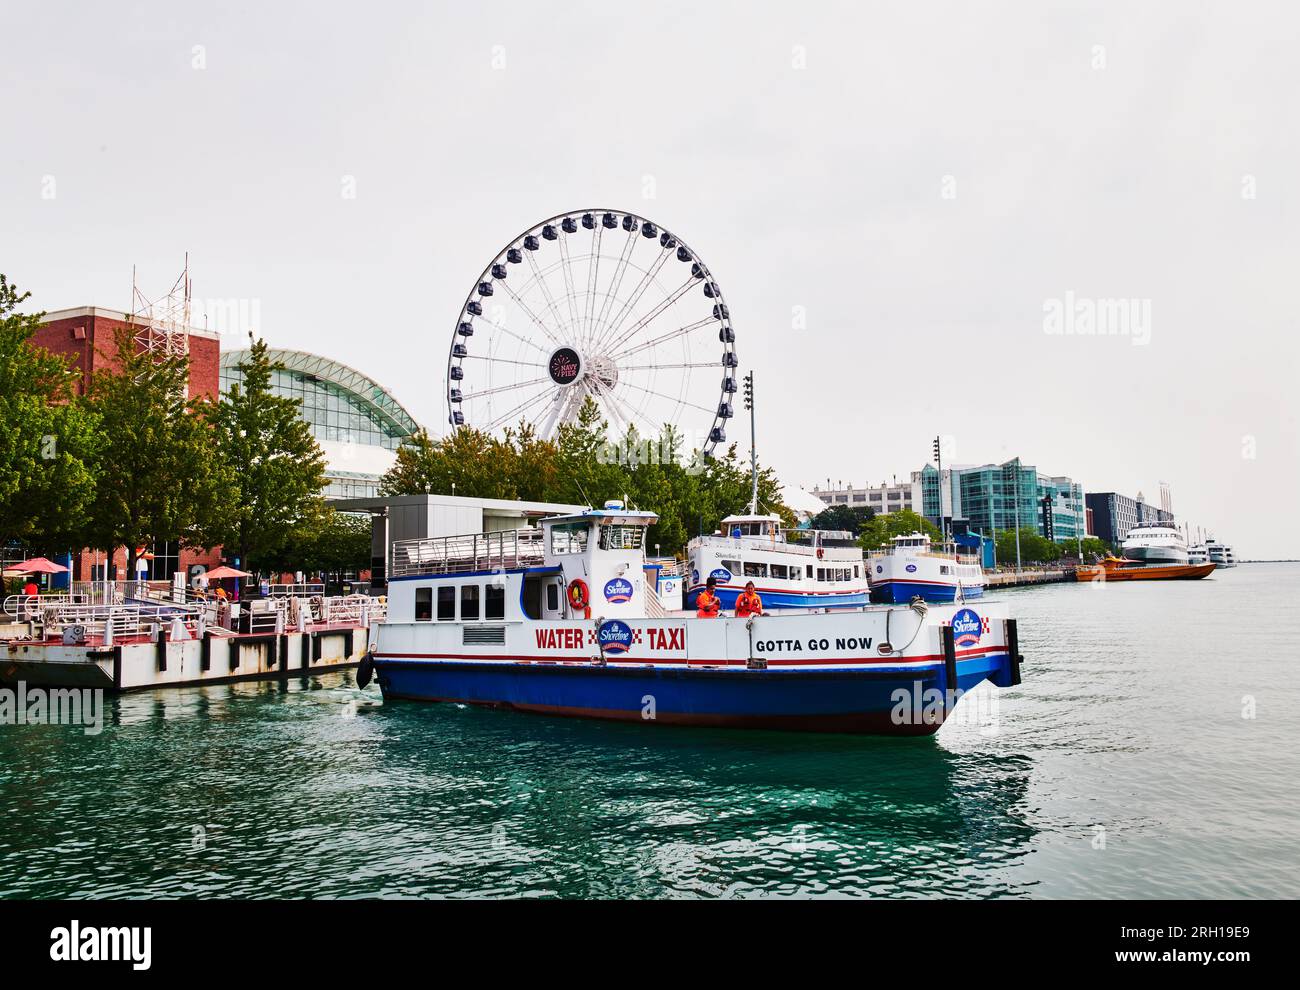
x=856, y=571
x=569, y=537
x=552, y=598
x=468, y=602
x=494, y=601
x=731, y=565
x=821, y=574
x=423, y=604
x=779, y=571
x=753, y=569
x=621, y=537
x=943, y=568
x=446, y=603
x=809, y=568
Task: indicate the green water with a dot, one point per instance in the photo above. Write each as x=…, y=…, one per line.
x=1128, y=728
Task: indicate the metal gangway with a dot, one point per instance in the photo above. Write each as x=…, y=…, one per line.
x=502, y=550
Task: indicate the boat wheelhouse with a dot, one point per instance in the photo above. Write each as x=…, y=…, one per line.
x=564, y=620
x=798, y=569
x=911, y=568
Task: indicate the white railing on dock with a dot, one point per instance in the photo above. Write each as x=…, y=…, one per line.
x=463, y=554
x=111, y=622
x=26, y=607
x=305, y=590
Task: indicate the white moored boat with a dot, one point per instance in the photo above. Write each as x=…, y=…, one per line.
x=910, y=568
x=797, y=570
x=1155, y=543
x=1220, y=553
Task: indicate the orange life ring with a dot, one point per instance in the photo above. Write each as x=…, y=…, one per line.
x=578, y=596
x=820, y=553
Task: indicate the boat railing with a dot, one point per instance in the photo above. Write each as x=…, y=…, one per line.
x=111, y=622
x=778, y=546
x=464, y=554
x=25, y=607
x=960, y=558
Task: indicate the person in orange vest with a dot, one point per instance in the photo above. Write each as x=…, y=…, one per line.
x=748, y=603
x=708, y=605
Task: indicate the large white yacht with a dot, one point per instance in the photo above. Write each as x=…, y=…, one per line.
x=1220, y=553
x=1198, y=554
x=1155, y=543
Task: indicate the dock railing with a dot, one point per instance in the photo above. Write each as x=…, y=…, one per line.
x=464, y=554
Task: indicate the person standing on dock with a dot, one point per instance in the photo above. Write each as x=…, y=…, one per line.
x=748, y=603
x=708, y=605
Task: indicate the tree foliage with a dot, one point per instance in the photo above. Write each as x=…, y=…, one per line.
x=277, y=465
x=850, y=519
x=50, y=438
x=327, y=541
x=584, y=466
x=158, y=469
x=878, y=532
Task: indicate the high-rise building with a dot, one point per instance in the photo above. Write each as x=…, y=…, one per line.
x=992, y=497
x=1114, y=515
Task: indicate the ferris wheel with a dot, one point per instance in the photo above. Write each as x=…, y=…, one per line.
x=602, y=304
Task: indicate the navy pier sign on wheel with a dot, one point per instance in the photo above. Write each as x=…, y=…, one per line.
x=601, y=305
x=565, y=366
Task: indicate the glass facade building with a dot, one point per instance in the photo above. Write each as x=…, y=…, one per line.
x=994, y=497
x=357, y=422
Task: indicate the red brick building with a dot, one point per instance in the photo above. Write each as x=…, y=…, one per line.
x=88, y=335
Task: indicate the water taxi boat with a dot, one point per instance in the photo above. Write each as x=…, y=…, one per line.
x=910, y=568
x=800, y=569
x=563, y=620
x=1120, y=569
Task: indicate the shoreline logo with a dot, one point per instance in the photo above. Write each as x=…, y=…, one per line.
x=722, y=574
x=77, y=944
x=615, y=637
x=53, y=706
x=1081, y=316
x=967, y=627
x=618, y=591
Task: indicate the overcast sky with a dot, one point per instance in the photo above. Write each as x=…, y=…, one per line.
x=895, y=198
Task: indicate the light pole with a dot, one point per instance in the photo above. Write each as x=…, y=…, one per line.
x=1016, y=490
x=753, y=445
x=938, y=457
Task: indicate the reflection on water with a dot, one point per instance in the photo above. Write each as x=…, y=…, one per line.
x=1122, y=767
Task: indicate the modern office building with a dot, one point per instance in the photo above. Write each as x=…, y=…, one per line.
x=883, y=498
x=992, y=497
x=1114, y=514
x=356, y=421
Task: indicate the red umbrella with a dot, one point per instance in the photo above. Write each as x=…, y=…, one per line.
x=38, y=565
x=223, y=572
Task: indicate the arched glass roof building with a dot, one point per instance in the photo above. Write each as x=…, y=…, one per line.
x=356, y=420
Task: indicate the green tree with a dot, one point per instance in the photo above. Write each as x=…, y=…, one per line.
x=1034, y=549
x=277, y=464
x=466, y=462
x=327, y=541
x=160, y=476
x=879, y=531
x=851, y=519
x=50, y=438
